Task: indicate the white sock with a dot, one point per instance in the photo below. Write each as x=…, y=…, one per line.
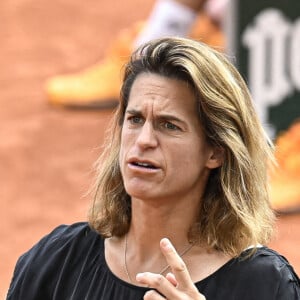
x=168, y=18
x=216, y=9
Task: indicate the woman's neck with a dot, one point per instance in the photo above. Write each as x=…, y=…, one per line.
x=150, y=224
x=139, y=250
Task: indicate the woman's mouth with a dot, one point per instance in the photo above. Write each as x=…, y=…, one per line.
x=144, y=165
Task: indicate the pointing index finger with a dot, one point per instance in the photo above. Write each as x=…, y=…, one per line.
x=176, y=264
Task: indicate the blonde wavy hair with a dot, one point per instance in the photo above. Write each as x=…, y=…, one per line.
x=235, y=211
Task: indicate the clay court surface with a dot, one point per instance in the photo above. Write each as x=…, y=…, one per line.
x=47, y=153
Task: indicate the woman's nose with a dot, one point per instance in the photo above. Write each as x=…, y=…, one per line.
x=147, y=136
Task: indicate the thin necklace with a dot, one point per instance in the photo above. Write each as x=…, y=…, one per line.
x=165, y=268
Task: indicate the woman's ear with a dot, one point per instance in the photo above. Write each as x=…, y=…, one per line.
x=216, y=157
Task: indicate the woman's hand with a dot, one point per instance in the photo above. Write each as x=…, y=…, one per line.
x=175, y=285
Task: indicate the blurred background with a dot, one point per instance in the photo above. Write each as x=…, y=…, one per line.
x=47, y=151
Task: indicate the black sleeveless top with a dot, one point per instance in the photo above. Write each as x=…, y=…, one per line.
x=69, y=263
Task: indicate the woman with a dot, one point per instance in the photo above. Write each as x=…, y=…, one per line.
x=185, y=169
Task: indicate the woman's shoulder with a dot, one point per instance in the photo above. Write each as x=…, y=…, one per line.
x=61, y=242
x=267, y=259
x=267, y=268
x=80, y=230
x=263, y=262
x=65, y=235
x=256, y=274
x=60, y=254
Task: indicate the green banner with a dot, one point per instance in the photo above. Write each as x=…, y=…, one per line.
x=264, y=36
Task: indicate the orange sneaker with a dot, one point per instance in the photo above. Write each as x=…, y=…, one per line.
x=285, y=181
x=99, y=85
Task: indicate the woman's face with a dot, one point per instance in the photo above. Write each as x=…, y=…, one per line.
x=163, y=152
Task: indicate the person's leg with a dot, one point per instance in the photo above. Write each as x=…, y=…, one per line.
x=170, y=18
x=98, y=86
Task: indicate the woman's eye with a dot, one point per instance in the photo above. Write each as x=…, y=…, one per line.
x=135, y=120
x=171, y=126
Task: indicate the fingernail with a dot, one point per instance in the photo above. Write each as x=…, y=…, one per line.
x=139, y=276
x=167, y=244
